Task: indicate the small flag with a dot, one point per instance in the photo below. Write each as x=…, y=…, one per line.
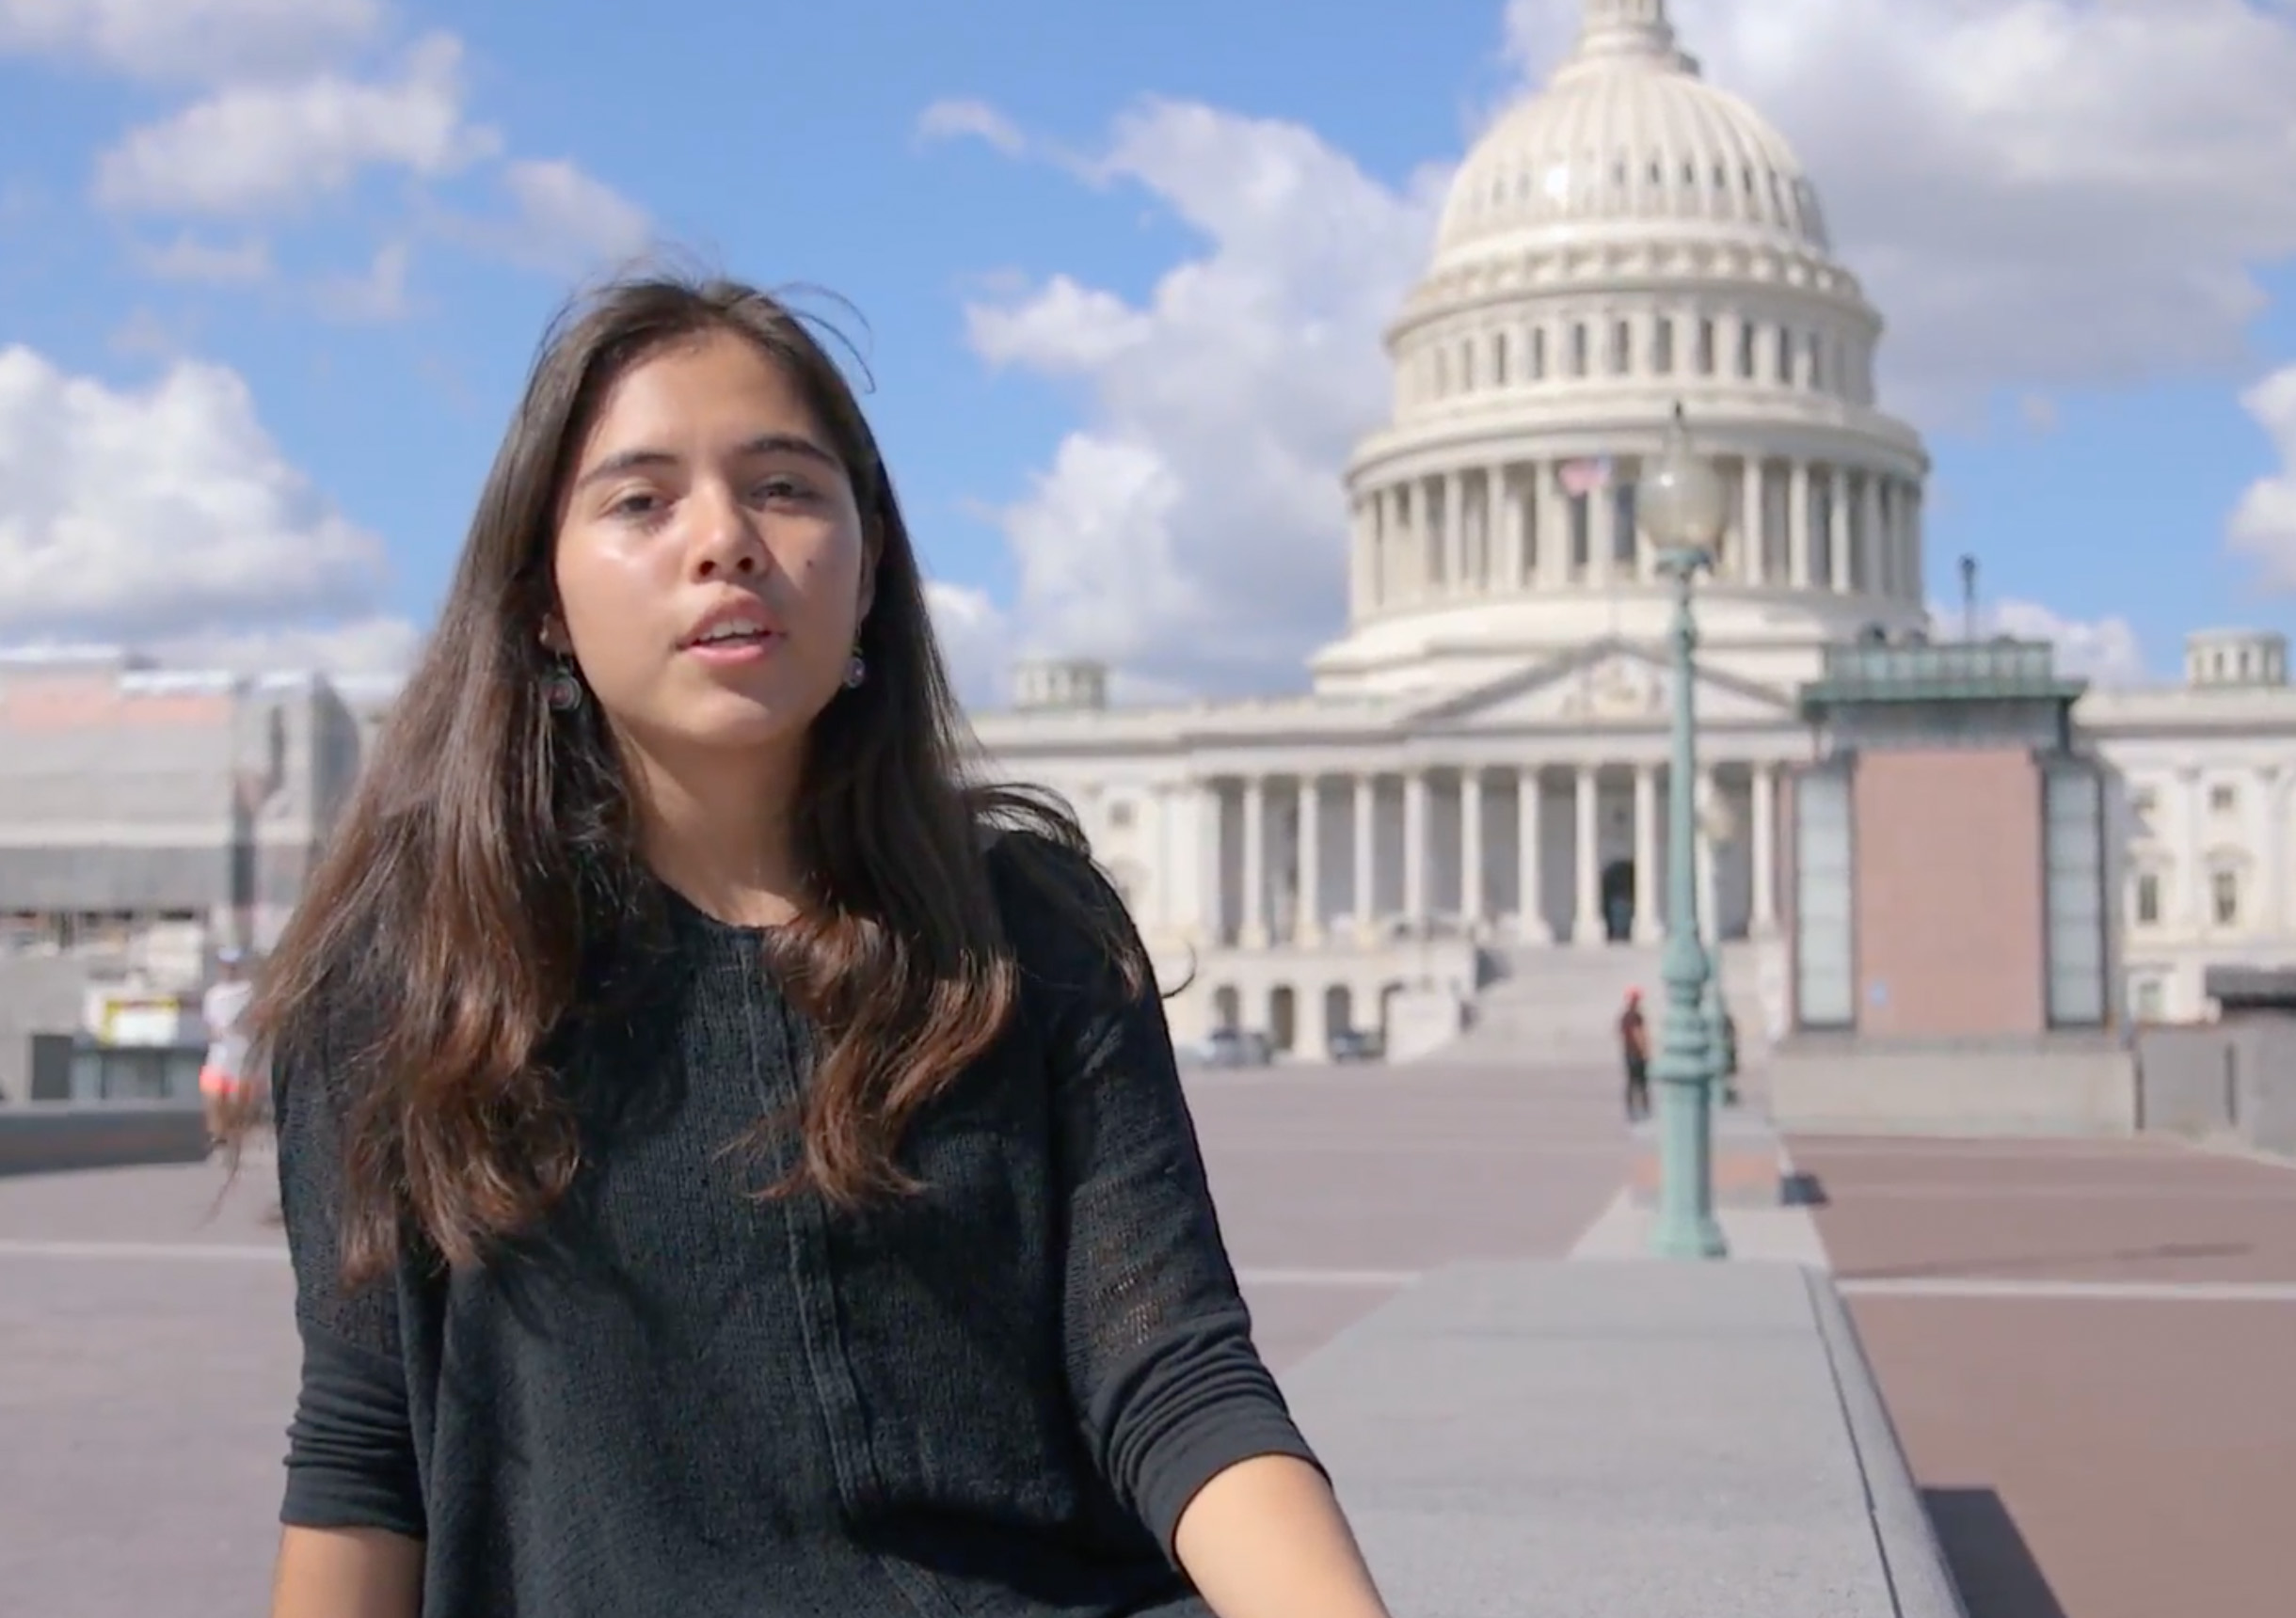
x=1584, y=476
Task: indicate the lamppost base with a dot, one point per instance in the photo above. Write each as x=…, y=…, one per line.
x=1693, y=1238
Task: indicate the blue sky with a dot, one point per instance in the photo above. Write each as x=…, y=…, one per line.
x=2093, y=270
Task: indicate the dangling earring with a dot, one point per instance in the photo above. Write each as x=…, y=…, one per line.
x=856, y=670
x=562, y=688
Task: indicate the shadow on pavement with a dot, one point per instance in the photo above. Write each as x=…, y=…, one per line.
x=1990, y=1559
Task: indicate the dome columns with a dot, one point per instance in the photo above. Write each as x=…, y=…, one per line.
x=1519, y=526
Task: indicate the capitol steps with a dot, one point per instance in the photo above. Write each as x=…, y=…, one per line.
x=1558, y=1006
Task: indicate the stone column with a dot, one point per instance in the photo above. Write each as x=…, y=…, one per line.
x=1873, y=542
x=1602, y=529
x=1650, y=920
x=1798, y=524
x=2195, y=873
x=1753, y=559
x=1586, y=913
x=1211, y=862
x=1308, y=883
x=1503, y=520
x=1366, y=804
x=1550, y=526
x=1454, y=532
x=1415, y=851
x=1163, y=913
x=1764, y=923
x=2272, y=914
x=1838, y=530
x=1471, y=849
x=1254, y=935
x=1530, y=867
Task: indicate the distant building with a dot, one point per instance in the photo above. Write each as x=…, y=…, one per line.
x=150, y=817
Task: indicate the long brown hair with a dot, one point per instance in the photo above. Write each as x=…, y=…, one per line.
x=489, y=853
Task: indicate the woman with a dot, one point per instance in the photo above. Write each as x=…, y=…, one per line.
x=730, y=1166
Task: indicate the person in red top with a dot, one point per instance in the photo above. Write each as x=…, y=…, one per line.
x=1634, y=1047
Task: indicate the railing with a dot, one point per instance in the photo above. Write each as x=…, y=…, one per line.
x=73, y=1067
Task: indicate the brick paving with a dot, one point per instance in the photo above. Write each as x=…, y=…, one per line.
x=2086, y=1350
x=147, y=1358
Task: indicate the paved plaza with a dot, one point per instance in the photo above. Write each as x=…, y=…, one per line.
x=2084, y=1345
x=2086, y=1348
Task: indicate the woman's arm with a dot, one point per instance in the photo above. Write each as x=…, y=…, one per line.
x=347, y=1573
x=1177, y=1407
x=1267, y=1539
x=353, y=1512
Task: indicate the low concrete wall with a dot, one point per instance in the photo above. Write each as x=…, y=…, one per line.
x=2068, y=1085
x=1666, y=1440
x=2234, y=1080
x=48, y=1137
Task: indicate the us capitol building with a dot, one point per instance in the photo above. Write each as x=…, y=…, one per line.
x=1468, y=802
x=1464, y=807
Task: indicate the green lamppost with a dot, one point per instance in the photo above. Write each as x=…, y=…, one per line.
x=1718, y=829
x=1682, y=507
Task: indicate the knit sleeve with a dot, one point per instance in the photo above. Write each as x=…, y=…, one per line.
x=350, y=1447
x=1170, y=1388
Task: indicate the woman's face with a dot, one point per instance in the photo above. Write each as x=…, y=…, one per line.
x=710, y=566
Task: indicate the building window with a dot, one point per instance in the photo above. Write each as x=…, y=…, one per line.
x=1622, y=348
x=1579, y=346
x=1824, y=903
x=2143, y=803
x=2073, y=838
x=1120, y=814
x=2223, y=798
x=2148, y=899
x=1499, y=346
x=2225, y=898
x=1662, y=348
x=2148, y=1000
x=1745, y=351
x=1706, y=347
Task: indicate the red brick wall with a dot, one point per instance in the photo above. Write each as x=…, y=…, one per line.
x=1946, y=845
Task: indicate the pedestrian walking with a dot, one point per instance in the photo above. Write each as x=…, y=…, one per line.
x=732, y=1163
x=224, y=1073
x=1634, y=1053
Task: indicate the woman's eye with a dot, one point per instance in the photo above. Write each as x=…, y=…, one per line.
x=636, y=505
x=783, y=489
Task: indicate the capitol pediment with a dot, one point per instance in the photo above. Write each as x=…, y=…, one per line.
x=1607, y=684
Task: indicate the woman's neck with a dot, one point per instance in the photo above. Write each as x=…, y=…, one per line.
x=721, y=832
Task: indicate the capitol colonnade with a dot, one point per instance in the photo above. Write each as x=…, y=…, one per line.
x=1505, y=527
x=1533, y=853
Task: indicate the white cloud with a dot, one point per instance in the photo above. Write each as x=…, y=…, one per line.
x=2104, y=651
x=379, y=293
x=972, y=632
x=241, y=264
x=959, y=119
x=564, y=220
x=2039, y=195
x=2263, y=526
x=271, y=147
x=199, y=39
x=163, y=511
x=380, y=645
x=1191, y=529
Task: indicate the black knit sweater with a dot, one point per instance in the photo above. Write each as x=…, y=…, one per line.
x=994, y=1398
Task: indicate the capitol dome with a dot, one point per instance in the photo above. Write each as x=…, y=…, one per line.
x=1628, y=134
x=1629, y=240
